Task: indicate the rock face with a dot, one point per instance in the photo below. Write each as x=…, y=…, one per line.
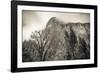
x=66, y=41
x=57, y=50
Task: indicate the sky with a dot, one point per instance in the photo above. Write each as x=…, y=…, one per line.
x=37, y=20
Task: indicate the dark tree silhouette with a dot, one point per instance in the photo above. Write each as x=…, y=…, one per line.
x=29, y=51
x=41, y=39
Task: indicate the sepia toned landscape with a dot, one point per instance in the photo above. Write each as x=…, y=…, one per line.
x=58, y=40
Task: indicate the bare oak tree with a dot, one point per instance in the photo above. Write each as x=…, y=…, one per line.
x=41, y=39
